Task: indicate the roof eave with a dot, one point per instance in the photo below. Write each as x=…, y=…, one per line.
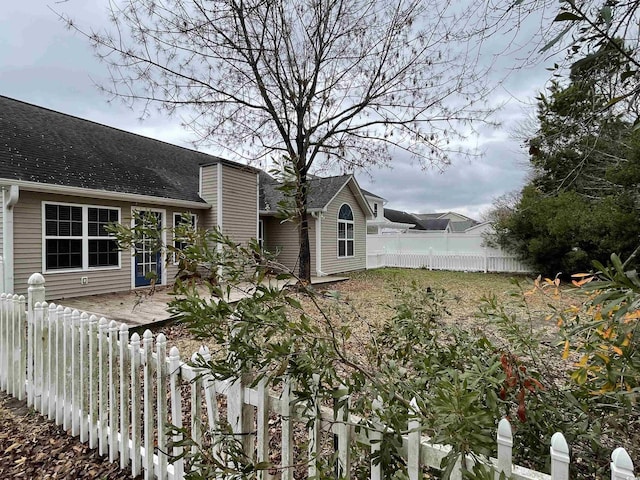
x=103, y=194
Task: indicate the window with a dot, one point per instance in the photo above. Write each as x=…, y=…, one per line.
x=375, y=210
x=182, y=220
x=75, y=237
x=345, y=231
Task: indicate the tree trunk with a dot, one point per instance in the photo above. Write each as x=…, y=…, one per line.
x=303, y=230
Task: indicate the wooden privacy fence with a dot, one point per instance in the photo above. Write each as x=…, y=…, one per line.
x=119, y=392
x=460, y=262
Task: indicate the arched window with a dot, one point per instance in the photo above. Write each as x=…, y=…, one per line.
x=346, y=242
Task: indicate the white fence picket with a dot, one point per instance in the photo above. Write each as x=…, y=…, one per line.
x=136, y=395
x=621, y=465
x=75, y=373
x=83, y=376
x=161, y=409
x=505, y=449
x=52, y=372
x=176, y=410
x=286, y=460
x=21, y=321
x=93, y=380
x=103, y=385
x=5, y=313
x=114, y=412
x=315, y=428
x=148, y=404
x=559, y=457
x=414, y=437
x=67, y=366
x=342, y=432
x=124, y=375
x=59, y=364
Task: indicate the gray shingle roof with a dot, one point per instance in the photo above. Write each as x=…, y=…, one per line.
x=369, y=194
x=321, y=191
x=45, y=146
x=398, y=216
x=428, y=216
x=434, y=223
x=462, y=226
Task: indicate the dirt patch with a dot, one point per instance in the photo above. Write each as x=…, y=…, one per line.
x=34, y=448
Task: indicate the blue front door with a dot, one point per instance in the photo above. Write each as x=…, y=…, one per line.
x=148, y=261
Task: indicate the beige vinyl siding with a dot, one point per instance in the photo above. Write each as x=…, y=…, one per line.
x=330, y=262
x=283, y=238
x=28, y=251
x=209, y=183
x=239, y=203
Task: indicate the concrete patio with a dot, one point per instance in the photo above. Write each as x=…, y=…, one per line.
x=144, y=308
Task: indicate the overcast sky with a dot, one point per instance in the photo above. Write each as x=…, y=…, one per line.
x=43, y=63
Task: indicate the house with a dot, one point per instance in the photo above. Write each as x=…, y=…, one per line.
x=63, y=179
x=398, y=221
x=380, y=223
x=337, y=216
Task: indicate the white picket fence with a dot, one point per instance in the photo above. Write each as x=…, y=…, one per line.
x=118, y=393
x=457, y=262
x=440, y=251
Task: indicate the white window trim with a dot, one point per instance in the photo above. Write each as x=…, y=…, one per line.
x=85, y=238
x=346, y=239
x=163, y=221
x=194, y=219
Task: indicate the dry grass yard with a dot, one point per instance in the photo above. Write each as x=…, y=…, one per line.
x=365, y=300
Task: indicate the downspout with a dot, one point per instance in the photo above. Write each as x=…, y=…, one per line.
x=219, y=270
x=318, y=217
x=10, y=198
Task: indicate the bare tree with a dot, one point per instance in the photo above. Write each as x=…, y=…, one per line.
x=333, y=82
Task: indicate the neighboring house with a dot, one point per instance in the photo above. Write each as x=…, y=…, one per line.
x=457, y=222
x=449, y=222
x=337, y=216
x=63, y=179
x=379, y=223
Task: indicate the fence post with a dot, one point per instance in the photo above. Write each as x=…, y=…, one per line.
x=505, y=446
x=621, y=465
x=287, y=456
x=486, y=259
x=36, y=291
x=342, y=434
x=315, y=427
x=375, y=436
x=413, y=450
x=35, y=294
x=559, y=457
x=2, y=275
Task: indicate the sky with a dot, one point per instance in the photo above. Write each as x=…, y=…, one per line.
x=43, y=63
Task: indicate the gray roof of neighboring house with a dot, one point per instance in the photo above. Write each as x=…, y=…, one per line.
x=398, y=216
x=45, y=146
x=462, y=226
x=321, y=191
x=434, y=223
x=428, y=216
